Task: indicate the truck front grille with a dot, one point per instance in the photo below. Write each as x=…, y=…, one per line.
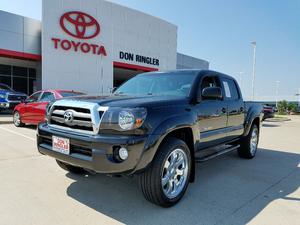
x=76, y=116
x=72, y=117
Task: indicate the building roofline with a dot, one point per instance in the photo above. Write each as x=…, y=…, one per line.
x=19, y=55
x=15, y=14
x=193, y=57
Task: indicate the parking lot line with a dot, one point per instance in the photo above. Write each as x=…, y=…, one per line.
x=17, y=133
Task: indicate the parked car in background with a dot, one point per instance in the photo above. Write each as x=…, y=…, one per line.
x=10, y=98
x=33, y=109
x=269, y=112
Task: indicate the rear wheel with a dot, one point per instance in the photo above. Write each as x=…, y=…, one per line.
x=249, y=144
x=166, y=181
x=70, y=168
x=17, y=119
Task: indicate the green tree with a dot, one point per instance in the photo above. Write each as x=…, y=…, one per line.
x=282, y=107
x=292, y=107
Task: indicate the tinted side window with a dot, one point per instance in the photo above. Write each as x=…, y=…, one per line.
x=230, y=89
x=209, y=81
x=34, y=97
x=47, y=97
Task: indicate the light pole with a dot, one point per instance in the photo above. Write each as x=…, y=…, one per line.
x=277, y=87
x=253, y=68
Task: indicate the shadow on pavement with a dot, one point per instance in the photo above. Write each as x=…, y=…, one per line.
x=5, y=113
x=6, y=122
x=270, y=125
x=32, y=127
x=223, y=187
x=5, y=117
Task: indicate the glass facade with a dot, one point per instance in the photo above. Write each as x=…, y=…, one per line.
x=20, y=79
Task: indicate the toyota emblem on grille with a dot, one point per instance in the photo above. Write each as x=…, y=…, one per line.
x=68, y=117
x=79, y=25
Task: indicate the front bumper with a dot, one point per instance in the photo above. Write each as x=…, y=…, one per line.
x=93, y=152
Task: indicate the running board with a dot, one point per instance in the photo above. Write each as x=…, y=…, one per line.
x=226, y=150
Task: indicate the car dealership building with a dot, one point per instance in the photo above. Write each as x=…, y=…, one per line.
x=86, y=45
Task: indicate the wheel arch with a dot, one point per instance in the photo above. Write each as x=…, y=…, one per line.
x=185, y=134
x=255, y=120
x=16, y=110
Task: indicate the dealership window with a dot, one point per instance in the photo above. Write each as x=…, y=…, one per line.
x=19, y=78
x=5, y=74
x=32, y=80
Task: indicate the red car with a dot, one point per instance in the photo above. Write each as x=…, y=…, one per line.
x=33, y=109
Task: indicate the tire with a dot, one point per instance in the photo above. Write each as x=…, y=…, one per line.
x=151, y=181
x=70, y=168
x=17, y=119
x=248, y=145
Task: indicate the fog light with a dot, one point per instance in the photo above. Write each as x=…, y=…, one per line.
x=123, y=153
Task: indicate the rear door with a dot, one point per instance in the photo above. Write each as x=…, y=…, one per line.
x=235, y=107
x=212, y=116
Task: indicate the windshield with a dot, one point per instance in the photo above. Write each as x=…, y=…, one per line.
x=174, y=84
x=5, y=88
x=66, y=94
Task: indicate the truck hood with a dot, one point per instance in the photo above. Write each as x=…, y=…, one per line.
x=132, y=101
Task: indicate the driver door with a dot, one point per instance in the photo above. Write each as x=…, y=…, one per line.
x=39, y=109
x=27, y=115
x=212, y=116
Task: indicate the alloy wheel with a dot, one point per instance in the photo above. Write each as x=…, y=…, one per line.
x=175, y=173
x=17, y=119
x=254, y=141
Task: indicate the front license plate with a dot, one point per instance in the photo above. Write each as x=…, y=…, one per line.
x=61, y=145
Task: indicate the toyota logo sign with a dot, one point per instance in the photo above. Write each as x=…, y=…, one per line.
x=79, y=25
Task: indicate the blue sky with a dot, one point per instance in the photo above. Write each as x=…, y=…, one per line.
x=220, y=31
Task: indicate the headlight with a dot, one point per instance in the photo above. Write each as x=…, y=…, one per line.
x=2, y=96
x=126, y=120
x=123, y=119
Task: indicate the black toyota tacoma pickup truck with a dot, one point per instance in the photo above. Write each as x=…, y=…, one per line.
x=156, y=126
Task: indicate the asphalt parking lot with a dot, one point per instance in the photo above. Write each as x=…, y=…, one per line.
x=228, y=190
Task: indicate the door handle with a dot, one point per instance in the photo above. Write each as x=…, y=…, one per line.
x=223, y=110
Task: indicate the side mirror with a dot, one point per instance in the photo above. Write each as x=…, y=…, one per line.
x=212, y=93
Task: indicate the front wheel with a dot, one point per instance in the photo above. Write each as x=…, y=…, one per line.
x=249, y=144
x=166, y=181
x=17, y=119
